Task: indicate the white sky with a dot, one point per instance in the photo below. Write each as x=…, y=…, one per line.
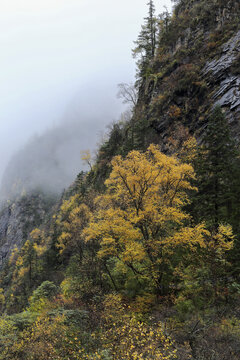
x=58, y=52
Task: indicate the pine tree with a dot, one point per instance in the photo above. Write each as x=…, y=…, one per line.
x=146, y=42
x=216, y=170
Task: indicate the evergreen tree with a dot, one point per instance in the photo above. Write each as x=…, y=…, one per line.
x=146, y=42
x=216, y=170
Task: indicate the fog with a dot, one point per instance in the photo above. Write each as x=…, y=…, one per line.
x=61, y=61
x=51, y=160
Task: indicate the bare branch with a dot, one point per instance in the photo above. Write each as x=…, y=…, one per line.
x=128, y=93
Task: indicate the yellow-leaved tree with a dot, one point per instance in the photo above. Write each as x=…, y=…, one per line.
x=140, y=222
x=72, y=219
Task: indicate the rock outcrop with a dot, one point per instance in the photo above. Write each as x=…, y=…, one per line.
x=220, y=75
x=202, y=70
x=18, y=219
x=196, y=66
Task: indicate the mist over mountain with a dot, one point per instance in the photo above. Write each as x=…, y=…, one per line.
x=48, y=161
x=53, y=51
x=139, y=257
x=51, y=159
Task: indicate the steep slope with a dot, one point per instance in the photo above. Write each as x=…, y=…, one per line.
x=116, y=268
x=206, y=72
x=19, y=218
x=196, y=66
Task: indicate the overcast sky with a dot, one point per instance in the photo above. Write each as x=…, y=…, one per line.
x=60, y=57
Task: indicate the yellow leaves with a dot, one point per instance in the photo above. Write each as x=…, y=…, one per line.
x=188, y=151
x=113, y=227
x=223, y=240
x=69, y=204
x=151, y=177
x=19, y=261
x=2, y=297
x=126, y=337
x=137, y=217
x=14, y=255
x=42, y=340
x=199, y=236
x=174, y=112
x=226, y=231
x=134, y=251
x=39, y=249
x=73, y=218
x=6, y=328
x=39, y=242
x=189, y=236
x=144, y=303
x=22, y=272
x=36, y=234
x=66, y=208
x=62, y=240
x=140, y=221
x=86, y=157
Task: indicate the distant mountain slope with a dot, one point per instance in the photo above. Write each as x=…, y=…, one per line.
x=48, y=162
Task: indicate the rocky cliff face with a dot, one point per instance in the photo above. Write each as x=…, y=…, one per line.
x=19, y=218
x=196, y=67
x=223, y=75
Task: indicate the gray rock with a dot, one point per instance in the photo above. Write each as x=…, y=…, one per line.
x=17, y=220
x=218, y=72
x=229, y=93
x=216, y=69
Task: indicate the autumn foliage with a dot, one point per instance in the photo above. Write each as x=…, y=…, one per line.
x=140, y=221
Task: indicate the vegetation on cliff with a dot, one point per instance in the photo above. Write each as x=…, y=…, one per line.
x=140, y=258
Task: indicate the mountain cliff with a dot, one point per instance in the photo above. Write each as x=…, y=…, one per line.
x=195, y=67
x=19, y=218
x=121, y=267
